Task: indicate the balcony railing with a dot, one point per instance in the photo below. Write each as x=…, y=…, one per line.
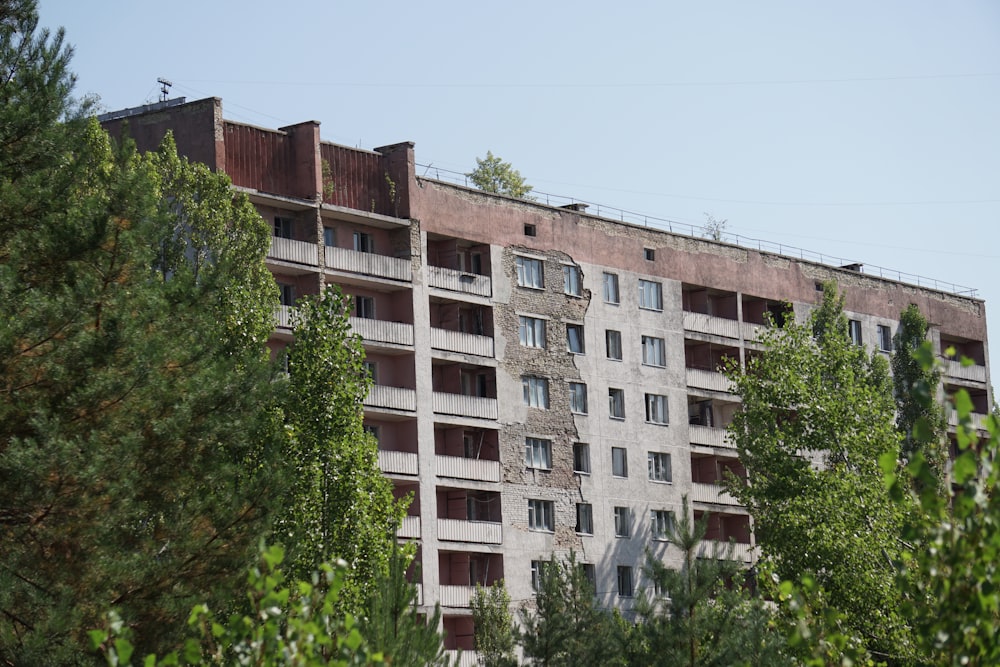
x=711, y=380
x=392, y=398
x=399, y=463
x=461, y=468
x=463, y=658
x=710, y=324
x=456, y=596
x=410, y=528
x=382, y=331
x=283, y=316
x=712, y=493
x=955, y=369
x=456, y=341
x=708, y=435
x=977, y=420
x=465, y=406
x=458, y=281
x=478, y=532
x=368, y=264
x=741, y=552
x=752, y=331
x=288, y=250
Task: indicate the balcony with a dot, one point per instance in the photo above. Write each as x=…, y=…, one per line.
x=391, y=398
x=283, y=316
x=368, y=264
x=410, y=528
x=707, y=435
x=710, y=324
x=462, y=468
x=456, y=596
x=702, y=379
x=477, y=532
x=382, y=331
x=752, y=331
x=459, y=281
x=742, y=553
x=464, y=406
x=463, y=658
x=298, y=252
x=398, y=463
x=456, y=341
x=977, y=420
x=956, y=370
x=712, y=493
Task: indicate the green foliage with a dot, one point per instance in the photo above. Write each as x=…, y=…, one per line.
x=950, y=563
x=494, y=626
x=700, y=616
x=920, y=417
x=494, y=175
x=288, y=625
x=818, y=635
x=393, y=624
x=566, y=627
x=339, y=503
x=817, y=416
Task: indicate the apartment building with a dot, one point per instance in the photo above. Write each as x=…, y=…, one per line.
x=546, y=380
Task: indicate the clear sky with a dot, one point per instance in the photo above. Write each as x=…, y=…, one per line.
x=858, y=129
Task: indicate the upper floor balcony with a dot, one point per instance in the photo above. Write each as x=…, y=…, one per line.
x=955, y=369
x=459, y=281
x=711, y=380
x=465, y=343
x=471, y=516
x=391, y=398
x=737, y=551
x=475, y=532
x=459, y=467
x=368, y=264
x=410, y=528
x=710, y=311
x=398, y=463
x=712, y=493
x=458, y=265
x=296, y=252
x=708, y=435
x=460, y=405
x=382, y=331
x=709, y=324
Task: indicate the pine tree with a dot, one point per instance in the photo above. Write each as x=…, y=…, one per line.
x=494, y=626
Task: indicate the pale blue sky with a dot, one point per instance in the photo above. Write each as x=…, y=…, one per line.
x=858, y=129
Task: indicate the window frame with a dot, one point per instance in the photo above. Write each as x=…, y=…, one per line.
x=612, y=293
x=584, y=519
x=884, y=337
x=364, y=307
x=541, y=515
x=623, y=521
x=854, y=331
x=619, y=462
x=578, y=398
x=662, y=523
x=657, y=409
x=363, y=242
x=650, y=295
x=613, y=343
x=535, y=390
x=659, y=467
x=528, y=328
x=283, y=227
x=657, y=352
x=581, y=455
x=626, y=584
x=572, y=280
x=580, y=336
x=536, y=574
x=530, y=272
x=616, y=403
x=537, y=453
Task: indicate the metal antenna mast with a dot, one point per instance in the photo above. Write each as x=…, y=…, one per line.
x=164, y=88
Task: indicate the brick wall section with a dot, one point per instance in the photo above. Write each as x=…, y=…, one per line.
x=556, y=424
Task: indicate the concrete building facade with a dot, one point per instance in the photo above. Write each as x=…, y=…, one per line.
x=546, y=380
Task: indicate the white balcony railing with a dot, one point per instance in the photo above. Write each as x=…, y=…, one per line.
x=463, y=658
x=478, y=532
x=740, y=552
x=461, y=468
x=410, y=528
x=288, y=250
x=458, y=281
x=456, y=341
x=465, y=406
x=703, y=379
x=977, y=420
x=712, y=493
x=382, y=331
x=708, y=435
x=392, y=398
x=456, y=596
x=399, y=463
x=710, y=324
x=956, y=370
x=283, y=316
x=368, y=264
x=752, y=331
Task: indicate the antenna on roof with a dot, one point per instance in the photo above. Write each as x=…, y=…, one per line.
x=164, y=88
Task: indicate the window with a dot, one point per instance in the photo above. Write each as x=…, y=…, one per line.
x=884, y=338
x=529, y=272
x=373, y=431
x=372, y=369
x=282, y=227
x=654, y=351
x=571, y=280
x=585, y=518
x=650, y=295
x=329, y=238
x=619, y=462
x=649, y=254
x=614, y=343
x=364, y=307
x=616, y=403
x=589, y=573
x=622, y=523
x=286, y=294
x=661, y=523
x=611, y=288
x=530, y=230
x=574, y=338
x=581, y=458
x=536, y=574
x=625, y=588
x=364, y=242
x=656, y=409
x=538, y=453
x=854, y=328
x=659, y=467
x=536, y=391
x=540, y=515
x=578, y=397
x=531, y=331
